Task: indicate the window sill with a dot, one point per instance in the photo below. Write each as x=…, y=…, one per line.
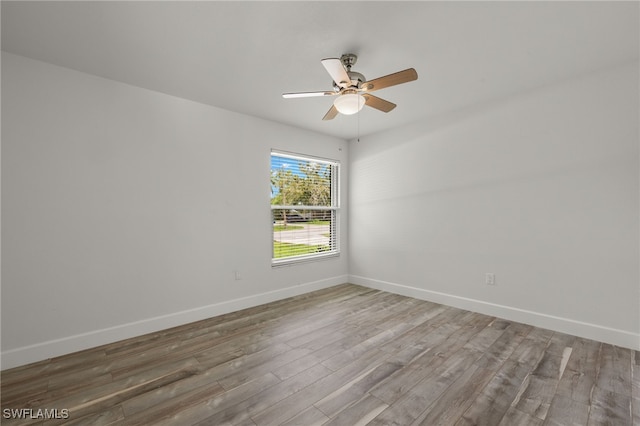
x=290, y=261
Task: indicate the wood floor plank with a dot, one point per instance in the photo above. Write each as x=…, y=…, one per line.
x=109, y=416
x=33, y=389
x=324, y=348
x=609, y=408
x=486, y=337
x=32, y=382
x=311, y=336
x=614, y=373
x=309, y=417
x=581, y=371
x=243, y=410
x=458, y=397
x=494, y=401
x=244, y=373
x=502, y=348
x=450, y=406
x=571, y=403
x=446, y=340
x=353, y=313
x=534, y=396
x=517, y=417
x=104, y=396
x=198, y=404
x=410, y=406
x=177, y=408
x=344, y=355
x=359, y=413
x=533, y=399
x=165, y=393
x=75, y=387
x=337, y=361
x=356, y=389
x=25, y=373
x=294, y=404
x=420, y=336
x=566, y=411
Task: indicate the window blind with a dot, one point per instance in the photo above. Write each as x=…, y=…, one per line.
x=304, y=207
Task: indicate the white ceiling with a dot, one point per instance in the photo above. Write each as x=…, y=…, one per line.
x=242, y=56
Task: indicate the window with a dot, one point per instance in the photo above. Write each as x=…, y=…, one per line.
x=304, y=208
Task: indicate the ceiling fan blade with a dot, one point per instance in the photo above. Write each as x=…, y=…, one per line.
x=378, y=103
x=399, y=77
x=337, y=72
x=308, y=94
x=331, y=114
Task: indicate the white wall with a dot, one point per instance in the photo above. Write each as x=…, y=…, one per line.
x=540, y=189
x=126, y=211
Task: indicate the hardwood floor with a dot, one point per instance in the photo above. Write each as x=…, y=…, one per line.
x=347, y=355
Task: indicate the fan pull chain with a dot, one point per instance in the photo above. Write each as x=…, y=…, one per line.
x=358, y=131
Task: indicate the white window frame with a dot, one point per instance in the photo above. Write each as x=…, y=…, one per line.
x=334, y=208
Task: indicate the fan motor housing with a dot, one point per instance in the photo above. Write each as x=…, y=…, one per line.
x=356, y=79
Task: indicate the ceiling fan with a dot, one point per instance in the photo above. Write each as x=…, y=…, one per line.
x=353, y=91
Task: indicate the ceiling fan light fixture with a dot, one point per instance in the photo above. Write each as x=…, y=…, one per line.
x=349, y=103
x=348, y=84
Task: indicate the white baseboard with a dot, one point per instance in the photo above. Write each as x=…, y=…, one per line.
x=564, y=325
x=52, y=348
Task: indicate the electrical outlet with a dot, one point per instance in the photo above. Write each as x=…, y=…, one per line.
x=237, y=275
x=490, y=278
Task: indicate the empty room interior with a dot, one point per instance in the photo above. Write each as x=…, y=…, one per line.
x=307, y=213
